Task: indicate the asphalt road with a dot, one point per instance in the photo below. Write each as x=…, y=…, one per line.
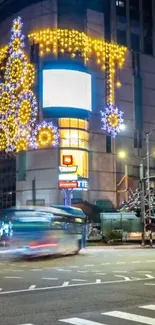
x=108, y=287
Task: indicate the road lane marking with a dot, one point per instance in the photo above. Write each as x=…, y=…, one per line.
x=65, y=284
x=16, y=270
x=13, y=277
x=120, y=262
x=71, y=285
x=98, y=280
x=149, y=276
x=149, y=284
x=120, y=271
x=126, y=278
x=149, y=307
x=79, y=321
x=73, y=266
x=36, y=270
x=88, y=265
x=32, y=287
x=144, y=271
x=132, y=317
x=79, y=280
x=50, y=279
x=98, y=273
x=82, y=271
x=150, y=261
x=63, y=270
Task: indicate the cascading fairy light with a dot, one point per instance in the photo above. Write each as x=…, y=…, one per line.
x=108, y=57
x=111, y=116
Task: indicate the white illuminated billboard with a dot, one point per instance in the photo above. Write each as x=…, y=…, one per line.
x=67, y=88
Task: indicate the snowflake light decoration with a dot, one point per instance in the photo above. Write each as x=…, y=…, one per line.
x=45, y=135
x=112, y=120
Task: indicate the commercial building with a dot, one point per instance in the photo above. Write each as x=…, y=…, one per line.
x=130, y=87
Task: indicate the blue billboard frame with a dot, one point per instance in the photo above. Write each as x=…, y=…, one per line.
x=66, y=112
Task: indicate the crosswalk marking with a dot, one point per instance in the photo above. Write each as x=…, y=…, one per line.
x=116, y=316
x=149, y=307
x=80, y=321
x=132, y=317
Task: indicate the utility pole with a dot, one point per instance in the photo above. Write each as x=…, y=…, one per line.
x=147, y=136
x=148, y=169
x=142, y=202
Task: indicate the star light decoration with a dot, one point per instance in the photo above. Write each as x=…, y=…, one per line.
x=18, y=104
x=112, y=120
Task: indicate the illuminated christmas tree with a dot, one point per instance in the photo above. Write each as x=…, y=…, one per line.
x=18, y=104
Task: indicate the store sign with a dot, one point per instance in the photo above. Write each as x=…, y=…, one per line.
x=82, y=185
x=68, y=177
x=68, y=169
x=65, y=185
x=67, y=160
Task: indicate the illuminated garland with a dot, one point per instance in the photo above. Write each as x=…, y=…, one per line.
x=4, y=137
x=17, y=38
x=45, y=135
x=27, y=108
x=112, y=120
x=7, y=102
x=18, y=105
x=29, y=78
x=22, y=144
x=16, y=28
x=12, y=127
x=16, y=69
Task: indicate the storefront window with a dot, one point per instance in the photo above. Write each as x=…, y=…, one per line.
x=80, y=159
x=73, y=123
x=74, y=138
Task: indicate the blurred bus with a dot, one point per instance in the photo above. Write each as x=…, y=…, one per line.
x=40, y=231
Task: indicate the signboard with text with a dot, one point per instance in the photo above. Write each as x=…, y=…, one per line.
x=67, y=185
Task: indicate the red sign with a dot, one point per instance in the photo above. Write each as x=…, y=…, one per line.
x=67, y=160
x=64, y=184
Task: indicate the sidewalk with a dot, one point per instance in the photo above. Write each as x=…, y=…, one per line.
x=95, y=249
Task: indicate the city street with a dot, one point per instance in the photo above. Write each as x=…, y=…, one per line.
x=100, y=286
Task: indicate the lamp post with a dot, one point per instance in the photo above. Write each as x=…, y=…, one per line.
x=147, y=138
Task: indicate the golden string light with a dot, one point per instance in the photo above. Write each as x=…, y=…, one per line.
x=24, y=113
x=113, y=120
x=12, y=128
x=3, y=139
x=29, y=78
x=5, y=102
x=78, y=43
x=21, y=144
x=45, y=137
x=16, y=44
